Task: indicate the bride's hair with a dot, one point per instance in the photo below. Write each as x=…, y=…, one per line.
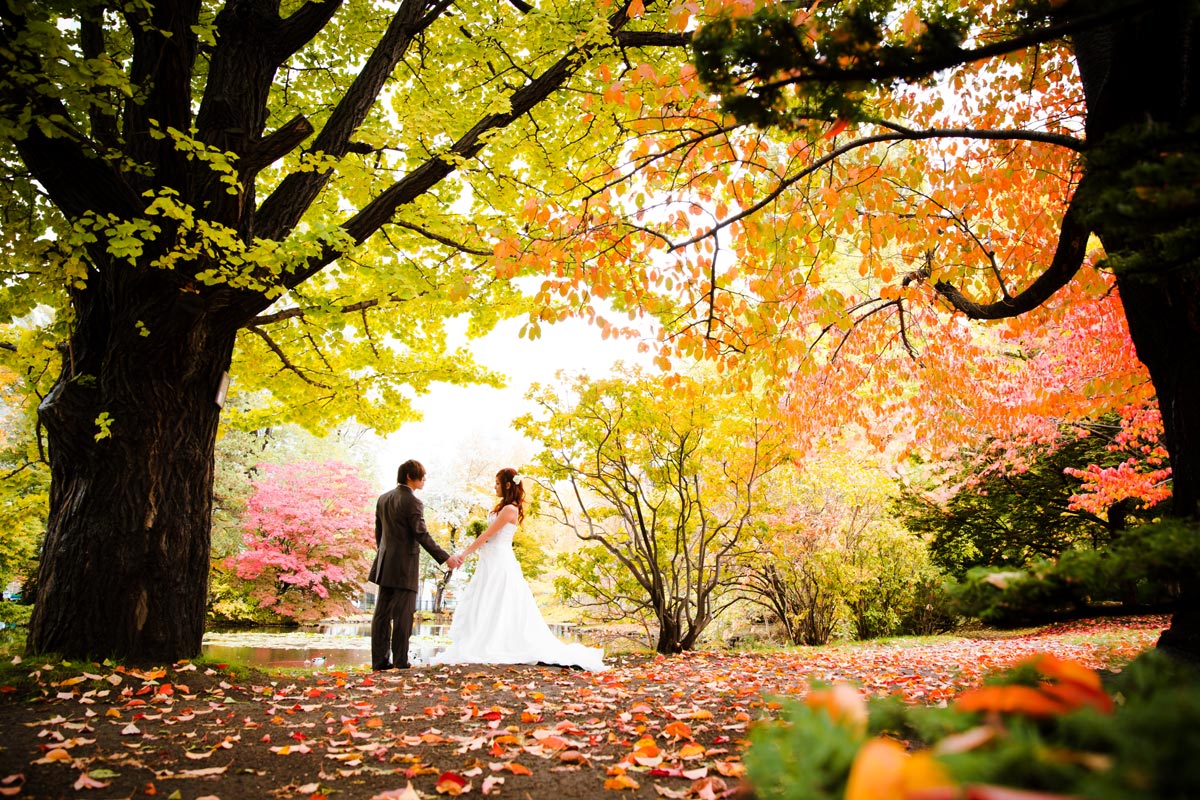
x=511, y=492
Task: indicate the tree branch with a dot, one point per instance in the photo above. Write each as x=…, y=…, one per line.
x=900, y=133
x=282, y=356
x=299, y=28
x=822, y=73
x=103, y=124
x=276, y=145
x=428, y=234
x=164, y=55
x=653, y=39
x=1068, y=257
x=282, y=210
x=380, y=210
x=300, y=311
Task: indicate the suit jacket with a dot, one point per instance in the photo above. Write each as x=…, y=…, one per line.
x=399, y=535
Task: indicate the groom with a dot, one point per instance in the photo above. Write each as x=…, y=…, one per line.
x=399, y=532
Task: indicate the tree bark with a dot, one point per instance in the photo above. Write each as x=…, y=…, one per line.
x=1139, y=79
x=124, y=567
x=669, y=636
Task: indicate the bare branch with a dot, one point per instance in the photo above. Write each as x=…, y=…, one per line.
x=296, y=192
x=899, y=134
x=300, y=311
x=281, y=211
x=276, y=144
x=653, y=39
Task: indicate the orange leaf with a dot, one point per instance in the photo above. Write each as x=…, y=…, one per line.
x=554, y=743
x=1064, y=669
x=875, y=773
x=882, y=770
x=1076, y=695
x=621, y=781
x=1009, y=699
x=677, y=730
x=57, y=754
x=573, y=757
x=838, y=126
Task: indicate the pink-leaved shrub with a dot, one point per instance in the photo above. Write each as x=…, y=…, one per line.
x=309, y=536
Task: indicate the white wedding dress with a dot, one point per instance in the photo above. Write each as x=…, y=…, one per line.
x=497, y=621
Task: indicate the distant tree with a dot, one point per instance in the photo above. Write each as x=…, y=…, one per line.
x=308, y=541
x=240, y=457
x=826, y=554
x=659, y=479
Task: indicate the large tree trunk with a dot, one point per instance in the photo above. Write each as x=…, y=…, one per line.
x=1164, y=323
x=1140, y=80
x=124, y=568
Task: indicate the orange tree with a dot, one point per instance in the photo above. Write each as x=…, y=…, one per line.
x=976, y=148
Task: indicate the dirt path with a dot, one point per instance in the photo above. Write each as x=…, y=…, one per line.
x=647, y=728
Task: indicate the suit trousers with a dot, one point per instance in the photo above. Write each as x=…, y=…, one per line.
x=391, y=626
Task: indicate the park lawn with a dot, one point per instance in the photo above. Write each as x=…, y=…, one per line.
x=651, y=726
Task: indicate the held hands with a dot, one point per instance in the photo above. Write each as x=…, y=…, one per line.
x=455, y=561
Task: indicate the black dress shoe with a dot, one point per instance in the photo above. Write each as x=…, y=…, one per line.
x=381, y=667
x=405, y=666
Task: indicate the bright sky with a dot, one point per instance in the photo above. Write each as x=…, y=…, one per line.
x=458, y=418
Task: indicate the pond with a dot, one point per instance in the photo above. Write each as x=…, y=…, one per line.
x=334, y=644
x=328, y=645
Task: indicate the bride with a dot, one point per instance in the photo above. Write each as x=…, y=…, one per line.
x=497, y=620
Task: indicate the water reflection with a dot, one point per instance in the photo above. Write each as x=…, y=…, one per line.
x=342, y=644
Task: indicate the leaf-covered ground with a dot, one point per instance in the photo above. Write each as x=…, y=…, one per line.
x=650, y=727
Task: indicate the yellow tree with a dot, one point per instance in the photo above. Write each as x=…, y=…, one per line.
x=660, y=480
x=827, y=552
x=295, y=193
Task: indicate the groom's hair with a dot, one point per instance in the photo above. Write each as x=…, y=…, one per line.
x=410, y=470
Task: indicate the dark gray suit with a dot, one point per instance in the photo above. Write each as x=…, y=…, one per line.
x=399, y=536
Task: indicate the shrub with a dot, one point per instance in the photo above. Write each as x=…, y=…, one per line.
x=1048, y=725
x=1144, y=567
